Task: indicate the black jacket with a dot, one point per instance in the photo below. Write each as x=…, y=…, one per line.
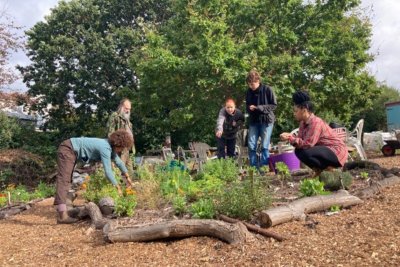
x=264, y=98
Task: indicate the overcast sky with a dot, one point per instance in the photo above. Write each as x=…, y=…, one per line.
x=384, y=14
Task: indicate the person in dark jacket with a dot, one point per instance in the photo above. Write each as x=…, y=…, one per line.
x=229, y=121
x=260, y=105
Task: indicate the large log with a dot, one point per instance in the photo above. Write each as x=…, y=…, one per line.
x=298, y=209
x=230, y=233
x=98, y=221
x=253, y=228
x=376, y=187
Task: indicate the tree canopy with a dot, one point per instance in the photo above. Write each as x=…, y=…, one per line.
x=79, y=57
x=203, y=53
x=179, y=59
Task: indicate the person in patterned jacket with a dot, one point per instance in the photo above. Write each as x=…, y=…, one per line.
x=317, y=145
x=121, y=120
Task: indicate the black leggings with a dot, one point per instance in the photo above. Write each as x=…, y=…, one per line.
x=317, y=157
x=230, y=147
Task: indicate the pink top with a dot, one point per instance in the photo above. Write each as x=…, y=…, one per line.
x=316, y=132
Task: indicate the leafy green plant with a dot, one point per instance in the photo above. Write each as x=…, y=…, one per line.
x=240, y=199
x=43, y=190
x=179, y=204
x=203, y=209
x=334, y=208
x=223, y=169
x=206, y=186
x=312, y=187
x=175, y=182
x=20, y=194
x=283, y=172
x=364, y=175
x=125, y=205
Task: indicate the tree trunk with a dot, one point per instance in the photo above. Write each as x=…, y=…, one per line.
x=376, y=187
x=299, y=208
x=230, y=233
x=253, y=228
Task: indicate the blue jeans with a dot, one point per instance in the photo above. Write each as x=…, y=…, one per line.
x=256, y=131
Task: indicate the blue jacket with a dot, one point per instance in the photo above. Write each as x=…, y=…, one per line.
x=96, y=149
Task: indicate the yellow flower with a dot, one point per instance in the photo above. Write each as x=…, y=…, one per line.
x=84, y=186
x=87, y=178
x=129, y=191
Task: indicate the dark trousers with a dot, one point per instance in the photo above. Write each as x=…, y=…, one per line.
x=317, y=157
x=230, y=147
x=66, y=159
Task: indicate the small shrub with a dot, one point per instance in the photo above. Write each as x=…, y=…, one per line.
x=241, y=199
x=43, y=190
x=179, y=204
x=20, y=194
x=174, y=182
x=283, y=172
x=203, y=209
x=223, y=169
x=125, y=205
x=206, y=186
x=335, y=180
x=312, y=187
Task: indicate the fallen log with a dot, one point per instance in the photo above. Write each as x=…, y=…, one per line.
x=376, y=187
x=230, y=233
x=298, y=209
x=253, y=228
x=98, y=221
x=13, y=210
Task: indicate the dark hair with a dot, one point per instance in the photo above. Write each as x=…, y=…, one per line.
x=120, y=138
x=302, y=100
x=253, y=76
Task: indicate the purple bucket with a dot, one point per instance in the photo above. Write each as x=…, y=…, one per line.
x=289, y=158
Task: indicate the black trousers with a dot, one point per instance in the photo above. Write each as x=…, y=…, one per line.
x=317, y=157
x=230, y=147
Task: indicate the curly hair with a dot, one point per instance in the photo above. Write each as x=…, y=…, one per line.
x=253, y=76
x=302, y=100
x=120, y=138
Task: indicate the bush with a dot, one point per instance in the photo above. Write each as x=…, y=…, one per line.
x=242, y=199
x=223, y=169
x=9, y=127
x=203, y=209
x=43, y=190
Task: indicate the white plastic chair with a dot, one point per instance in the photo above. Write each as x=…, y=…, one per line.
x=355, y=139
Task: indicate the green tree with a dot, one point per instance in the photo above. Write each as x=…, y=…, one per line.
x=375, y=116
x=9, y=127
x=203, y=53
x=79, y=59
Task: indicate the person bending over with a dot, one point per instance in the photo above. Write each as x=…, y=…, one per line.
x=88, y=149
x=317, y=145
x=229, y=121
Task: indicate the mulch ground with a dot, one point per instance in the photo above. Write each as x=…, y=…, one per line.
x=365, y=235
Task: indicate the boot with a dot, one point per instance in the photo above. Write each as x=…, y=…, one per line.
x=63, y=218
